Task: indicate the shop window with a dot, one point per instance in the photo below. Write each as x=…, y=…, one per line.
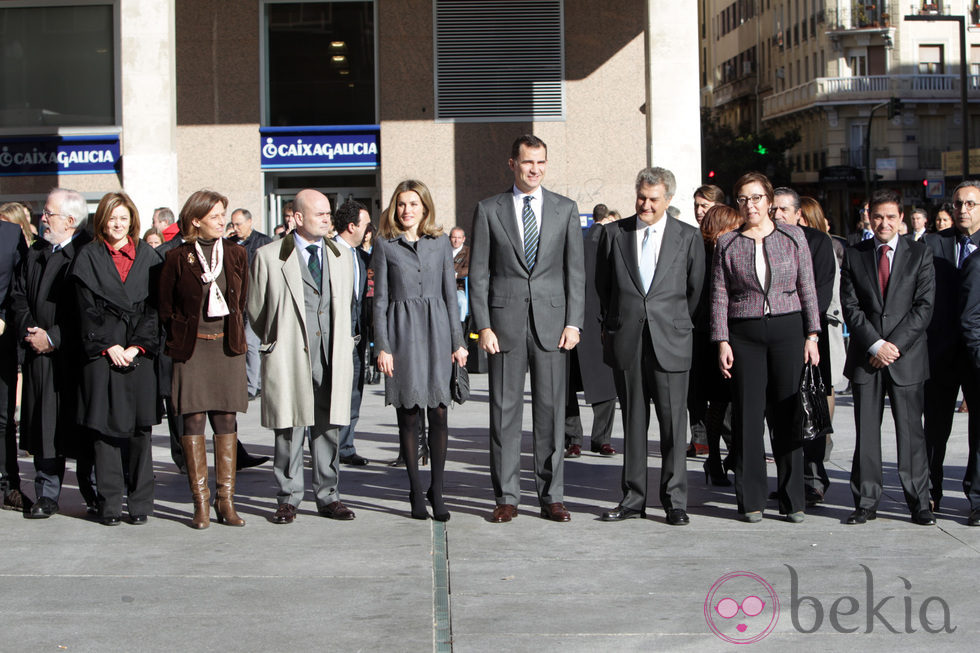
x=320, y=63
x=58, y=65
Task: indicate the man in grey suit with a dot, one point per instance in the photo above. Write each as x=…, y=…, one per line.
x=299, y=304
x=887, y=289
x=649, y=273
x=527, y=295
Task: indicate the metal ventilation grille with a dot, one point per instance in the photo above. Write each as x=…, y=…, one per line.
x=499, y=60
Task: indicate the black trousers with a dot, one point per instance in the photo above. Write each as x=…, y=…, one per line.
x=124, y=465
x=603, y=417
x=913, y=464
x=9, y=471
x=768, y=355
x=940, y=404
x=646, y=380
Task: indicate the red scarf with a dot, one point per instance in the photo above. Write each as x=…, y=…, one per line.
x=123, y=257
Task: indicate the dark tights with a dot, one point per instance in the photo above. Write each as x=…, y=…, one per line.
x=221, y=422
x=408, y=440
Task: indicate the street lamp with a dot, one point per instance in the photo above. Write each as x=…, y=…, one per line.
x=963, y=104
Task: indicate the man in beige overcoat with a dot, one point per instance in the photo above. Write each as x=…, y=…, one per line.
x=299, y=302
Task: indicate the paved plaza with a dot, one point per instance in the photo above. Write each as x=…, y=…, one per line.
x=385, y=582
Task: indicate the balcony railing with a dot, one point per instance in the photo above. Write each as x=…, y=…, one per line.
x=870, y=88
x=865, y=15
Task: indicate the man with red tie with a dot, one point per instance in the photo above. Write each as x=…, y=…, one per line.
x=887, y=291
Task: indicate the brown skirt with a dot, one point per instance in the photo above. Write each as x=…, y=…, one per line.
x=210, y=380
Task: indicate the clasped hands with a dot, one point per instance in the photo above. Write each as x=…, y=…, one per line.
x=122, y=357
x=887, y=354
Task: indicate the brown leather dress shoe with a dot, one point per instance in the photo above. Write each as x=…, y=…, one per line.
x=285, y=514
x=337, y=510
x=556, y=512
x=503, y=513
x=573, y=451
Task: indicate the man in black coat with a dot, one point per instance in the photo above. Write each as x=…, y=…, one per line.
x=47, y=326
x=887, y=291
x=587, y=372
x=966, y=203
x=350, y=221
x=13, y=251
x=949, y=366
x=786, y=208
x=251, y=240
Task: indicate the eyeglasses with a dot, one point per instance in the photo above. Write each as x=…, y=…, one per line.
x=48, y=214
x=969, y=204
x=752, y=607
x=742, y=199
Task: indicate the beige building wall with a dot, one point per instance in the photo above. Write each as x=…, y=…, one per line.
x=218, y=95
x=593, y=155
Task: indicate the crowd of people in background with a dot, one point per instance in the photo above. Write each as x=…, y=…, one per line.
x=108, y=333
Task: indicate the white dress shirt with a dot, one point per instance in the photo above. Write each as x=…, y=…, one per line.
x=537, y=199
x=302, y=244
x=873, y=349
x=656, y=233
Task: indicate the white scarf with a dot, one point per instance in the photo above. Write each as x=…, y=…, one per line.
x=217, y=307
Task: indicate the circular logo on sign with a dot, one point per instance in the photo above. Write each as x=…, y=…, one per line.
x=741, y=608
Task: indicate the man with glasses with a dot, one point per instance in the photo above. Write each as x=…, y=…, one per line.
x=47, y=326
x=949, y=367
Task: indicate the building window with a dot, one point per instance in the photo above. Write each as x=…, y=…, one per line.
x=496, y=62
x=58, y=67
x=320, y=67
x=975, y=60
x=930, y=60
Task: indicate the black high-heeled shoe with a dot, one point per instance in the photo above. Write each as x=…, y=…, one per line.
x=714, y=474
x=418, y=505
x=438, y=516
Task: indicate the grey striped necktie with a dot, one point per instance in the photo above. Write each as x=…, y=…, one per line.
x=530, y=233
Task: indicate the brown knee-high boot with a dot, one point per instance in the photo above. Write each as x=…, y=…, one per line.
x=225, y=451
x=197, y=474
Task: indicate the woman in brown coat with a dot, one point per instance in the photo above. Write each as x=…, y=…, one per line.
x=203, y=287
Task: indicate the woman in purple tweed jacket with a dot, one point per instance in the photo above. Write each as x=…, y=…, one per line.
x=764, y=318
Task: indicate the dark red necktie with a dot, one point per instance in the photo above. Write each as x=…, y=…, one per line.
x=884, y=270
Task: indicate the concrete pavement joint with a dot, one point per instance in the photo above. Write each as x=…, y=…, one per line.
x=442, y=631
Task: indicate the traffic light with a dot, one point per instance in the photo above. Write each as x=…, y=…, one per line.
x=894, y=107
x=711, y=174
x=761, y=149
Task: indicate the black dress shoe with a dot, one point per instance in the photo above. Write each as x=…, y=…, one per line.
x=861, y=515
x=354, y=460
x=110, y=520
x=677, y=517
x=91, y=508
x=619, y=513
x=924, y=518
x=246, y=460
x=43, y=508
x=137, y=520
x=974, y=518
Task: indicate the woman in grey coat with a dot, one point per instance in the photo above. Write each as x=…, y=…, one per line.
x=416, y=330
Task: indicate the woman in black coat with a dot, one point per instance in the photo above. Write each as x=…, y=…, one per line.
x=115, y=280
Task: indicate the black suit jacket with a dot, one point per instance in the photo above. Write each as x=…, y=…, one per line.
x=13, y=250
x=667, y=308
x=945, y=341
x=901, y=317
x=969, y=307
x=824, y=268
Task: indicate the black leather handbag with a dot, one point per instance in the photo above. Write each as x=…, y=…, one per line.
x=812, y=411
x=459, y=384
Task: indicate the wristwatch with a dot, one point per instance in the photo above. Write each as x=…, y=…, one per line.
x=813, y=337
